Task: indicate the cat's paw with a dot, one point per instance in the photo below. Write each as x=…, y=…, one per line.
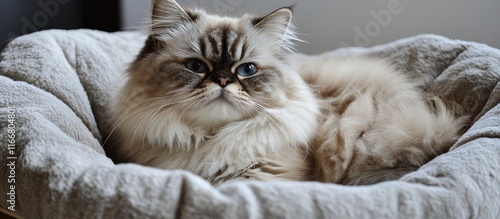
x=253, y=171
x=264, y=171
x=231, y=172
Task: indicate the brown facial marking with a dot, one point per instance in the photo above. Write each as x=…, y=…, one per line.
x=150, y=46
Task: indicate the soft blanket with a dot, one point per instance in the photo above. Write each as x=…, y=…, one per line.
x=55, y=86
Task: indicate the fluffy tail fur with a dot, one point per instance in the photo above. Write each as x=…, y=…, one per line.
x=376, y=124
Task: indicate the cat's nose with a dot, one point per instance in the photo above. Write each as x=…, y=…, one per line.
x=222, y=80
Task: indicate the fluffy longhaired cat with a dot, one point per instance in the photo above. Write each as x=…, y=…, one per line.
x=220, y=97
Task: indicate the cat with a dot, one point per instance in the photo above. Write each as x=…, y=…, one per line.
x=221, y=98
x=376, y=124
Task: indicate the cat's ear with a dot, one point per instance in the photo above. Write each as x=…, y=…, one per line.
x=278, y=25
x=168, y=15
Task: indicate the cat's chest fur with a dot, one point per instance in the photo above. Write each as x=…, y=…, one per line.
x=218, y=97
x=253, y=148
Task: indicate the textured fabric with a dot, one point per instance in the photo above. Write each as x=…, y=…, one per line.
x=59, y=83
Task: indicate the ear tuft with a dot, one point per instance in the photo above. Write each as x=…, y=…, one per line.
x=168, y=15
x=278, y=25
x=282, y=14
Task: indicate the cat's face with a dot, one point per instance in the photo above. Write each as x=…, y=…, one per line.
x=212, y=69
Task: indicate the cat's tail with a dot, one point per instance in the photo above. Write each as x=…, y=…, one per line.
x=440, y=133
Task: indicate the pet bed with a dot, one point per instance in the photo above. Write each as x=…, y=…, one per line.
x=55, y=86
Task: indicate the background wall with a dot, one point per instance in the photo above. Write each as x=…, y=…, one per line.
x=324, y=24
x=329, y=24
x=24, y=17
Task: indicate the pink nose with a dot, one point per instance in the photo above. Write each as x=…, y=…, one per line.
x=223, y=81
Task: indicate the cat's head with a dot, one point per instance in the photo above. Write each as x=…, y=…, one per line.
x=211, y=69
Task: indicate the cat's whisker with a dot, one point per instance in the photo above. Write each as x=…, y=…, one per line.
x=119, y=120
x=196, y=100
x=287, y=121
x=154, y=110
x=278, y=122
x=153, y=102
x=263, y=128
x=136, y=104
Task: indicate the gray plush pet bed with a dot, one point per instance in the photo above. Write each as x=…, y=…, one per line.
x=55, y=85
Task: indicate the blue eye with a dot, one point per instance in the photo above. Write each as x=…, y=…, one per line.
x=196, y=65
x=247, y=69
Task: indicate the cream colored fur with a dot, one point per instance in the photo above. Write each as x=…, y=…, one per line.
x=376, y=124
x=356, y=118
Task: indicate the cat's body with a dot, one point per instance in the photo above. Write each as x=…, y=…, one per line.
x=375, y=124
x=218, y=96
